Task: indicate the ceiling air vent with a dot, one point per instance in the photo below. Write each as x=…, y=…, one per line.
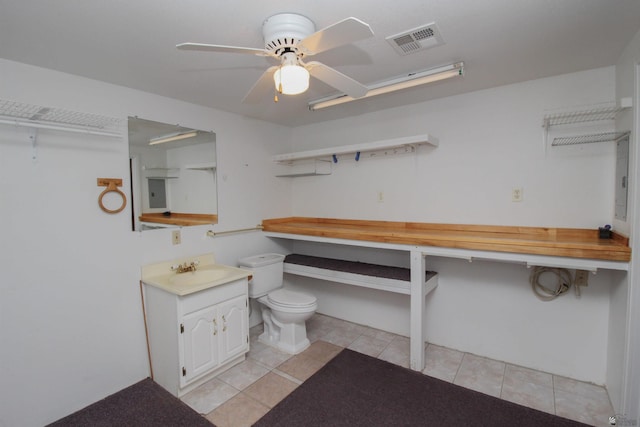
x=417, y=39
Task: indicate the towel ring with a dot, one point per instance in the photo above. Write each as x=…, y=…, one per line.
x=112, y=185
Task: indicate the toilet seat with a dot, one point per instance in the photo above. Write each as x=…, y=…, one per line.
x=284, y=298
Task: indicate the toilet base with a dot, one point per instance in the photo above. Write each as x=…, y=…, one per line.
x=290, y=349
x=290, y=338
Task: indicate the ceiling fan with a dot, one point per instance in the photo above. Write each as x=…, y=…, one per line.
x=289, y=38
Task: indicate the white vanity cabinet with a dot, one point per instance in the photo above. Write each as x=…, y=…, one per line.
x=195, y=336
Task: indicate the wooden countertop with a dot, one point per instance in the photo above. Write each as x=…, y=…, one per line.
x=177, y=218
x=562, y=242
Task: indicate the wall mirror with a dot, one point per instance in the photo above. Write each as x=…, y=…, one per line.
x=173, y=175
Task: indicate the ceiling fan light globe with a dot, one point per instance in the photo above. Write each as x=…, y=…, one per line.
x=292, y=79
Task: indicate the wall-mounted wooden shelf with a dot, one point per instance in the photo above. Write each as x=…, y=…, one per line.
x=552, y=247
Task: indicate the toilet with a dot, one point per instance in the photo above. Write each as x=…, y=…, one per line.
x=284, y=311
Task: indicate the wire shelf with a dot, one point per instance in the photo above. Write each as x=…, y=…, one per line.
x=586, y=139
x=604, y=113
x=601, y=119
x=29, y=114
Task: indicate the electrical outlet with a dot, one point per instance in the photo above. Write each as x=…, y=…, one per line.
x=582, y=278
x=175, y=237
x=516, y=194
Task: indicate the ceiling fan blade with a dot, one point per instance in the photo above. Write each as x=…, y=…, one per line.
x=336, y=79
x=261, y=88
x=347, y=31
x=221, y=48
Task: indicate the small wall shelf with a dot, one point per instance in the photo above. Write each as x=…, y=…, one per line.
x=404, y=144
x=309, y=168
x=590, y=138
x=208, y=166
x=160, y=172
x=58, y=119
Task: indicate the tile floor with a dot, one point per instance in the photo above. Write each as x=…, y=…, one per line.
x=244, y=393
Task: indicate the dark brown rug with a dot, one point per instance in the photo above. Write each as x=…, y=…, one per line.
x=357, y=390
x=142, y=404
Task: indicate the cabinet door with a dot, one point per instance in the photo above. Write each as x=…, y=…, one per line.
x=234, y=324
x=200, y=343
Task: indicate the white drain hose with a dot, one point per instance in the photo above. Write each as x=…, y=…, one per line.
x=545, y=293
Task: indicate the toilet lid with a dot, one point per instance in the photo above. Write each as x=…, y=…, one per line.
x=286, y=297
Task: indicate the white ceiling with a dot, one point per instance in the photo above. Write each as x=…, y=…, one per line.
x=132, y=43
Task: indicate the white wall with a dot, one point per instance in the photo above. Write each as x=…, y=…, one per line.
x=623, y=376
x=70, y=290
x=192, y=192
x=194, y=189
x=72, y=330
x=490, y=142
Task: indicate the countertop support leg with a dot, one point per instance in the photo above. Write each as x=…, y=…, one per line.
x=418, y=278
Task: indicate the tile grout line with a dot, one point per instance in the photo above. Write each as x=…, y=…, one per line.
x=553, y=387
x=458, y=370
x=287, y=376
x=504, y=372
x=259, y=363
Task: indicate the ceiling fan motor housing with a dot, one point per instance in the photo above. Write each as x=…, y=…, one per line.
x=282, y=32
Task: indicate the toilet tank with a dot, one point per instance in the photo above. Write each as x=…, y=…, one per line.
x=267, y=273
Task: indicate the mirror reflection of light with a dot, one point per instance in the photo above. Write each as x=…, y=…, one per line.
x=173, y=137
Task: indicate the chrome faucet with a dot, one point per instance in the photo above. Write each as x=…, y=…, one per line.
x=183, y=268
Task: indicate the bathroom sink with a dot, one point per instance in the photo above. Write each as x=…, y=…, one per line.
x=208, y=274
x=198, y=277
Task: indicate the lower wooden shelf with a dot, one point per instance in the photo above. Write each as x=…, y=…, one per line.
x=374, y=276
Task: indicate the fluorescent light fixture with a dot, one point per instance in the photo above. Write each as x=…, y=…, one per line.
x=291, y=78
x=399, y=83
x=173, y=137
